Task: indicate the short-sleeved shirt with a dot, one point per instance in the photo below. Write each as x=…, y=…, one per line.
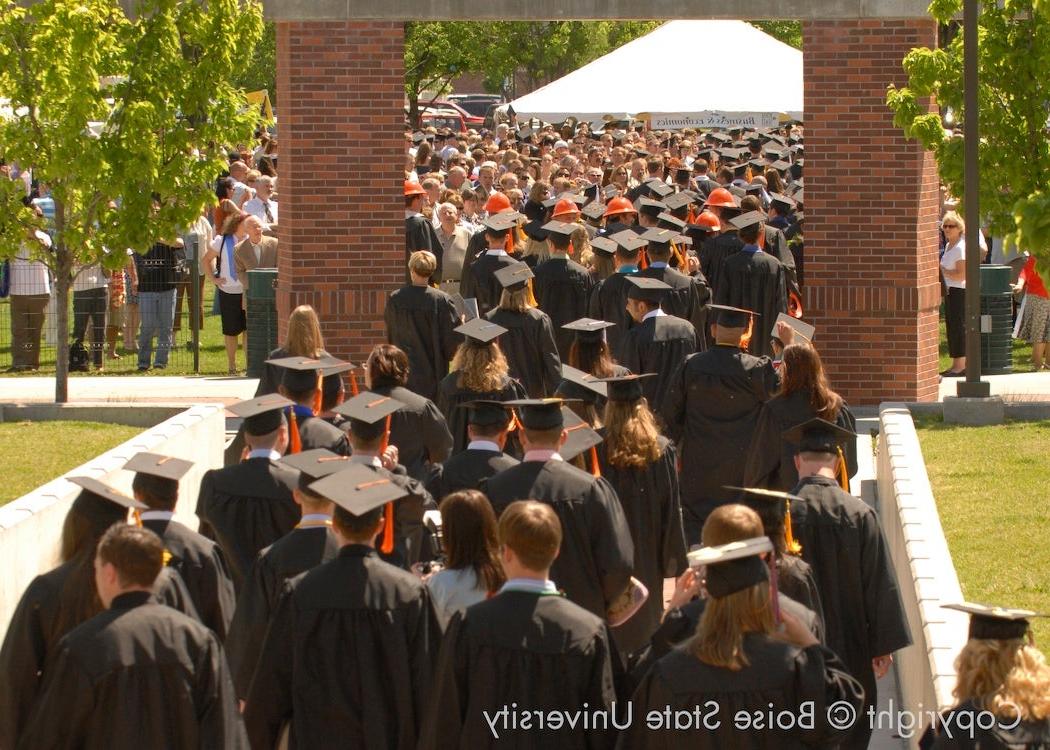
x=156, y=269
x=951, y=256
x=1033, y=280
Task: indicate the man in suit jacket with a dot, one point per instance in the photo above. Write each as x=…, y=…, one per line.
x=254, y=251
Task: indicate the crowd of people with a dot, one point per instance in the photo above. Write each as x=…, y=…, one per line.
x=578, y=402
x=141, y=305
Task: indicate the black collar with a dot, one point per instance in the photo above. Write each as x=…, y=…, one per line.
x=130, y=599
x=357, y=550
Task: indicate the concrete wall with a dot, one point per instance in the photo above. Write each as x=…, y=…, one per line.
x=31, y=526
x=923, y=565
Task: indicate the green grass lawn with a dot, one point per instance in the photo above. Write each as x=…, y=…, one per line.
x=37, y=452
x=991, y=486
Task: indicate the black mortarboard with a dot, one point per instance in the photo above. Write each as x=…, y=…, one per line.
x=576, y=198
x=534, y=230
x=802, y=329
x=103, y=491
x=733, y=567
x=626, y=387
x=796, y=170
x=261, y=415
x=736, y=191
x=610, y=191
x=156, y=465
x=588, y=329
x=758, y=164
x=594, y=211
x=679, y=200
x=995, y=623
x=563, y=228
x=300, y=373
x=514, y=277
x=551, y=202
x=538, y=413
x=780, y=165
x=580, y=435
x=659, y=236
x=480, y=331
x=315, y=464
x=629, y=240
x=750, y=219
x=649, y=206
x=755, y=188
x=646, y=289
x=772, y=507
x=684, y=239
x=603, y=245
x=577, y=384
x=659, y=188
x=818, y=436
x=740, y=169
x=486, y=413
x=672, y=220
x=501, y=222
x=590, y=192
x=783, y=203
x=358, y=489
x=731, y=317
x=366, y=412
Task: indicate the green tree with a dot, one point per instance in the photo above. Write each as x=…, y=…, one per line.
x=435, y=53
x=261, y=70
x=158, y=87
x=1014, y=153
x=789, y=32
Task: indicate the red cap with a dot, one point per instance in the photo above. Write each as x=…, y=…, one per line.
x=413, y=188
x=721, y=197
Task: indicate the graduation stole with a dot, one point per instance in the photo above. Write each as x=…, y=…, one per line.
x=318, y=395
x=841, y=472
x=387, y=545
x=643, y=260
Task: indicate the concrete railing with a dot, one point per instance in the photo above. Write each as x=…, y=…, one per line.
x=923, y=564
x=31, y=526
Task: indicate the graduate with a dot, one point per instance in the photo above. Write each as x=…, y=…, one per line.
x=479, y=372
x=527, y=646
x=301, y=383
x=249, y=506
x=711, y=410
x=139, y=674
x=609, y=299
x=642, y=466
x=597, y=556
x=420, y=233
x=723, y=242
x=842, y=540
x=688, y=296
x=585, y=395
x=488, y=424
x=479, y=279
x=659, y=343
x=349, y=654
x=528, y=344
x=590, y=351
x=306, y=546
x=747, y=656
x=753, y=279
x=562, y=285
x=199, y=561
x=420, y=320
x=57, y=601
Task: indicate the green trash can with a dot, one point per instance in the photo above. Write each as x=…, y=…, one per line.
x=262, y=318
x=996, y=320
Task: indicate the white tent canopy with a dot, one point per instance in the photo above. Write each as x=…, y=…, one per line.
x=751, y=79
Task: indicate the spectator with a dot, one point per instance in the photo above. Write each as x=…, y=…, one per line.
x=200, y=230
x=116, y=310
x=262, y=206
x=1035, y=317
x=90, y=287
x=30, y=292
x=229, y=288
x=241, y=191
x=255, y=251
x=156, y=293
x=953, y=268
x=454, y=237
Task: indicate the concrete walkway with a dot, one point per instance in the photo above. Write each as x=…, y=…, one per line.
x=134, y=388
x=1021, y=386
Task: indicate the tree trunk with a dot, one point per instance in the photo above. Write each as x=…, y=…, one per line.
x=63, y=278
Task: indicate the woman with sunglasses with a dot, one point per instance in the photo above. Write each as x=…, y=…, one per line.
x=953, y=268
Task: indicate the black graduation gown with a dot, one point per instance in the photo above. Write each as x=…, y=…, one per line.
x=714, y=253
x=796, y=580
x=777, y=246
x=246, y=508
x=34, y=631
x=450, y=395
x=480, y=282
x=562, y=288
x=962, y=728
x=779, y=673
x=710, y=410
x=202, y=567
x=528, y=345
x=537, y=651
x=315, y=432
x=658, y=345
x=842, y=540
x=408, y=517
x=421, y=235
x=609, y=303
x=347, y=659
x=771, y=459
x=271, y=375
x=137, y=675
x=651, y=504
x=597, y=556
x=301, y=550
x=420, y=321
x=754, y=281
x=419, y=431
x=467, y=470
x=687, y=299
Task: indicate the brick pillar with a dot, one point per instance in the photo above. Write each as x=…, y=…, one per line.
x=871, y=203
x=340, y=98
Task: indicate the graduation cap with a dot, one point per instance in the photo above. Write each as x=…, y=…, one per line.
x=100, y=491
x=658, y=187
x=782, y=203
x=534, y=230
x=480, y=332
x=588, y=329
x=755, y=188
x=733, y=567
x=629, y=240
x=366, y=412
x=604, y=245
x=300, y=373
x=315, y=464
x=580, y=435
x=486, y=413
x=539, y=413
x=646, y=289
x=737, y=191
x=564, y=228
x=750, y=219
x=684, y=239
x=995, y=623
x=514, y=277
x=610, y=191
x=802, y=329
x=731, y=317
x=796, y=170
x=774, y=508
x=358, y=489
x=672, y=220
x=262, y=415
x=720, y=137
x=679, y=200
x=740, y=169
x=758, y=164
x=590, y=192
x=780, y=165
x=818, y=436
x=156, y=465
x=626, y=387
x=577, y=384
x=594, y=211
x=502, y=222
x=660, y=236
x=649, y=207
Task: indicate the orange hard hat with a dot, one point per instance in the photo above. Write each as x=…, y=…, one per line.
x=618, y=206
x=565, y=207
x=497, y=202
x=708, y=220
x=413, y=188
x=721, y=197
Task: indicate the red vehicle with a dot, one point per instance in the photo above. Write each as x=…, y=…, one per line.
x=443, y=109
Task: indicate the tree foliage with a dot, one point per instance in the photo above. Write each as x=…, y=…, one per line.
x=1013, y=92
x=260, y=72
x=158, y=88
x=789, y=32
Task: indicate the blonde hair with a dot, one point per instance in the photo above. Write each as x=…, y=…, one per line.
x=516, y=300
x=537, y=249
x=481, y=368
x=719, y=639
x=953, y=216
x=304, y=333
x=631, y=438
x=581, y=242
x=422, y=263
x=1009, y=678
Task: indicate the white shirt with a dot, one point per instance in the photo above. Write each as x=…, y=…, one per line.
x=483, y=445
x=951, y=256
x=657, y=313
x=202, y=228
x=542, y=455
x=239, y=189
x=225, y=265
x=257, y=208
x=453, y=590
x=90, y=277
x=30, y=276
x=265, y=453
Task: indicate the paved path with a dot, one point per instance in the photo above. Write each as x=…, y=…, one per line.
x=132, y=388
x=1021, y=386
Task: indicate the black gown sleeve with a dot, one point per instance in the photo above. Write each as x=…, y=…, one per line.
x=437, y=439
x=551, y=363
x=672, y=412
x=764, y=452
x=821, y=678
x=673, y=546
x=269, y=703
x=611, y=541
x=446, y=712
x=220, y=719
x=66, y=692
x=248, y=629
x=21, y=662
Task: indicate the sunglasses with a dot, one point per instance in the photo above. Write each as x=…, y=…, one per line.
x=949, y=226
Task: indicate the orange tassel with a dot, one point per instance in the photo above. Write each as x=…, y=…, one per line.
x=745, y=340
x=387, y=545
x=508, y=243
x=531, y=298
x=762, y=240
x=842, y=471
x=643, y=260
x=353, y=383
x=295, y=443
x=595, y=469
x=570, y=251
x=386, y=437
x=790, y=543
x=679, y=255
x=137, y=516
x=318, y=394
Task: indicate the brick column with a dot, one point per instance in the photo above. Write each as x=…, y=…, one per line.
x=340, y=98
x=871, y=203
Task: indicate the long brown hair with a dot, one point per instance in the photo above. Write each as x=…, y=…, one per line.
x=87, y=520
x=481, y=368
x=592, y=357
x=232, y=221
x=631, y=438
x=468, y=527
x=719, y=639
x=304, y=333
x=803, y=371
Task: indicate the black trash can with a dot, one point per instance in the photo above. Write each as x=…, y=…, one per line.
x=996, y=320
x=262, y=318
